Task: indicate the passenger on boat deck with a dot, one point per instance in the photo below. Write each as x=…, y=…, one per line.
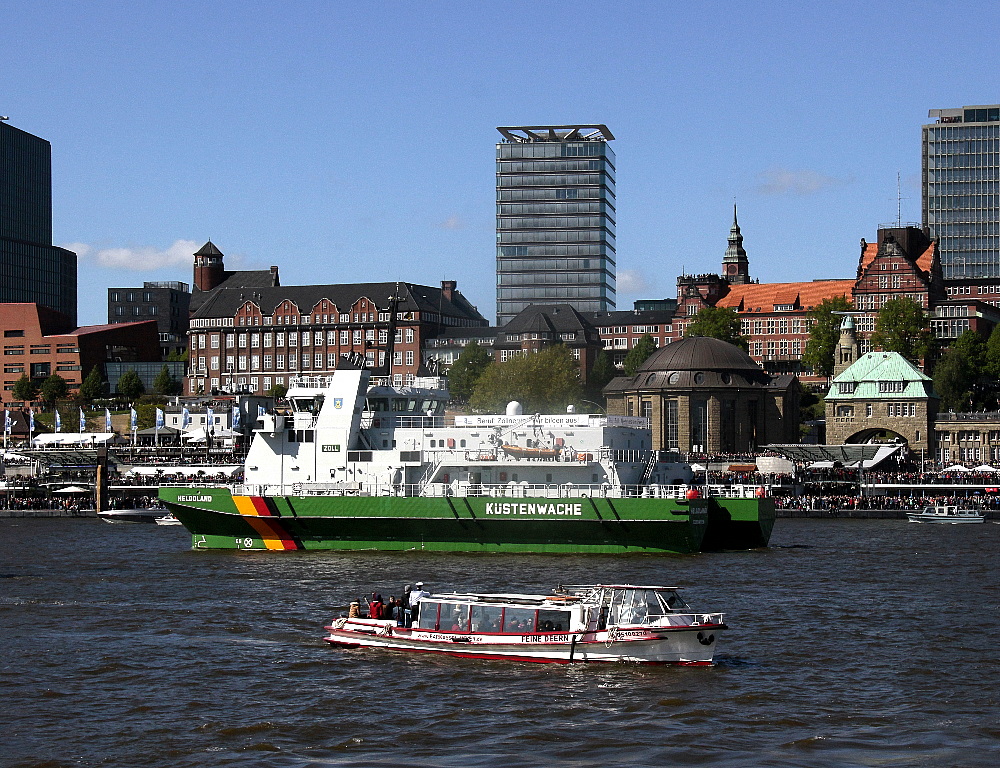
x=354, y=610
x=375, y=607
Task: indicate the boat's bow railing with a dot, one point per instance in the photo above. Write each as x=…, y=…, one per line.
x=678, y=620
x=426, y=488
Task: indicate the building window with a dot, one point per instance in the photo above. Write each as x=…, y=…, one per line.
x=845, y=411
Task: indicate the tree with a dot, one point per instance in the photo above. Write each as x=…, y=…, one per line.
x=602, y=372
x=903, y=327
x=982, y=385
x=953, y=380
x=178, y=357
x=130, y=386
x=993, y=353
x=465, y=372
x=543, y=382
x=278, y=391
x=824, y=334
x=25, y=389
x=636, y=356
x=165, y=384
x=718, y=323
x=54, y=388
x=93, y=386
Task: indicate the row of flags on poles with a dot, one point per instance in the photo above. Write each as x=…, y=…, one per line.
x=8, y=421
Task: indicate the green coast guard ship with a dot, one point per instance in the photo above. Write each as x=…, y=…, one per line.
x=358, y=464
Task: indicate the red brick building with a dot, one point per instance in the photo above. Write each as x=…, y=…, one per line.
x=249, y=334
x=40, y=342
x=903, y=262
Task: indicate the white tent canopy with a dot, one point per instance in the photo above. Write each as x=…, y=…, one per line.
x=198, y=435
x=957, y=468
x=71, y=438
x=985, y=468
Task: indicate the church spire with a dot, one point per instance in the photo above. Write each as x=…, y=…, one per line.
x=735, y=265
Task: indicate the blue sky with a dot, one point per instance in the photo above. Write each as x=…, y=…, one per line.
x=355, y=142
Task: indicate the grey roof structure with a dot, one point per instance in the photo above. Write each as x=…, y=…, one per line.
x=700, y=353
x=225, y=301
x=551, y=319
x=238, y=280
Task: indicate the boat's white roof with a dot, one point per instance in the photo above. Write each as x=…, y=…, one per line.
x=501, y=597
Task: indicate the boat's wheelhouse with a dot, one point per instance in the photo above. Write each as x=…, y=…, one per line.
x=631, y=605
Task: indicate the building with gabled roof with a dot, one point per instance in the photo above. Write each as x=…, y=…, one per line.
x=250, y=338
x=774, y=316
x=884, y=397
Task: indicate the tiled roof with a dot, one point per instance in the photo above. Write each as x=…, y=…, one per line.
x=868, y=255
x=763, y=296
x=926, y=259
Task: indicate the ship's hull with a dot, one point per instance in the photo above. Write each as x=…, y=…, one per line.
x=738, y=523
x=219, y=520
x=694, y=646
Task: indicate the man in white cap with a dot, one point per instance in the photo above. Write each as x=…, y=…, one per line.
x=416, y=596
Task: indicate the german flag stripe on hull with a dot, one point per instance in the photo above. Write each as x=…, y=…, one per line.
x=263, y=517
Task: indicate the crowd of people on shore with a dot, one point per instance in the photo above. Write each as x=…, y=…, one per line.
x=832, y=503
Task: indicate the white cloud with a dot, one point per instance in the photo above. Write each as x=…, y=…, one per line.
x=452, y=222
x=141, y=259
x=631, y=282
x=794, y=182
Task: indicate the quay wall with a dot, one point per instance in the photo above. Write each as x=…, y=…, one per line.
x=24, y=513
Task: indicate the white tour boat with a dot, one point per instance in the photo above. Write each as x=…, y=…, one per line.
x=946, y=514
x=604, y=622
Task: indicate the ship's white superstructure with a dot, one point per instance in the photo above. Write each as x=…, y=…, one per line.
x=349, y=433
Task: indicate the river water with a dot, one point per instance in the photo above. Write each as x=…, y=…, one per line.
x=852, y=643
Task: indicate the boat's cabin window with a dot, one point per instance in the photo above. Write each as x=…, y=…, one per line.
x=553, y=621
x=454, y=618
x=486, y=618
x=519, y=620
x=307, y=404
x=639, y=606
x=378, y=404
x=428, y=616
x=398, y=405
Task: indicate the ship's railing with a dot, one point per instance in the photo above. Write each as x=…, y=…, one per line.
x=735, y=491
x=675, y=620
x=461, y=490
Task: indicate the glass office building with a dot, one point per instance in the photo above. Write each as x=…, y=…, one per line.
x=961, y=189
x=32, y=270
x=555, y=218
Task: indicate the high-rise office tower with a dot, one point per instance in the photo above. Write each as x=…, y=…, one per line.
x=961, y=190
x=555, y=218
x=32, y=270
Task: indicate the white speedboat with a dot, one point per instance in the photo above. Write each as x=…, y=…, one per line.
x=167, y=519
x=621, y=622
x=947, y=514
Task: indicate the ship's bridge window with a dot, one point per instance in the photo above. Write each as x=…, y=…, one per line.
x=378, y=404
x=307, y=404
x=642, y=606
x=398, y=405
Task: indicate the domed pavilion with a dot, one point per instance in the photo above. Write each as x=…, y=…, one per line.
x=704, y=395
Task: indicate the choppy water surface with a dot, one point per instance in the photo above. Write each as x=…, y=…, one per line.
x=853, y=643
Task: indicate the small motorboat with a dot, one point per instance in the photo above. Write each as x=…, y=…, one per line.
x=131, y=515
x=947, y=514
x=167, y=519
x=622, y=622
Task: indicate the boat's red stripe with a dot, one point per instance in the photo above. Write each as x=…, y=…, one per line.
x=260, y=504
